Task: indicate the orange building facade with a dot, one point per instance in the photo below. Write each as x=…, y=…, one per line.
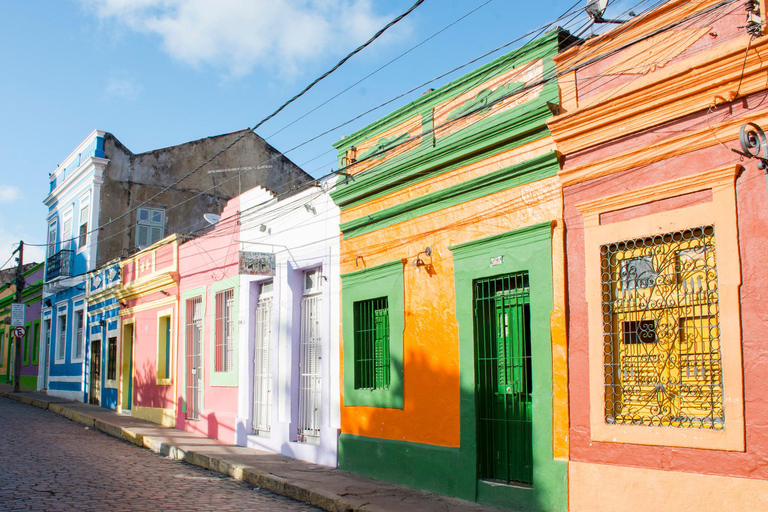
x=454, y=374
x=665, y=228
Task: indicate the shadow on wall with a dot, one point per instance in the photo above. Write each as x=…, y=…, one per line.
x=430, y=465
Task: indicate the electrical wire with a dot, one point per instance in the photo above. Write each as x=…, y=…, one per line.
x=317, y=80
x=399, y=96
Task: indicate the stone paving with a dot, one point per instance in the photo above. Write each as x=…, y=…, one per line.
x=51, y=463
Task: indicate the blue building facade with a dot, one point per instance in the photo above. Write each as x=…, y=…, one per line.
x=102, y=360
x=73, y=210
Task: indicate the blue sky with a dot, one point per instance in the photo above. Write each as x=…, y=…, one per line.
x=161, y=72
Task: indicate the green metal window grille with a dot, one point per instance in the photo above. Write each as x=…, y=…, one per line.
x=372, y=344
x=502, y=331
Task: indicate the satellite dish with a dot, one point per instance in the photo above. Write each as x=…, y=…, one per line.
x=596, y=8
x=211, y=218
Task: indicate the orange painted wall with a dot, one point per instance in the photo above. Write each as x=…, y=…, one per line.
x=430, y=342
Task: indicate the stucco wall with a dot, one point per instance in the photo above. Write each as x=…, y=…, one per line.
x=130, y=179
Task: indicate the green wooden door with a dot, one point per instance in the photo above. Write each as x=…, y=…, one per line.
x=503, y=378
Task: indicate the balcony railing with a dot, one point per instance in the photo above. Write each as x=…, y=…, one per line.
x=59, y=265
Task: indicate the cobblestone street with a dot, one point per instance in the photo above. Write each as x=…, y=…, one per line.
x=51, y=463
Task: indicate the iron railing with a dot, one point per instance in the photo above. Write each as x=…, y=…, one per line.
x=59, y=265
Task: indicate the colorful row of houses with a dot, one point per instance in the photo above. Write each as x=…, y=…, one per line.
x=537, y=287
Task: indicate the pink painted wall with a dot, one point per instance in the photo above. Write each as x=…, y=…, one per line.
x=752, y=201
x=203, y=262
x=146, y=391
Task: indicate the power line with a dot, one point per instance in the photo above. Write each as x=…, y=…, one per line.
x=277, y=198
x=270, y=116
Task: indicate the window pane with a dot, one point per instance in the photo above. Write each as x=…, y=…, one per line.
x=371, y=324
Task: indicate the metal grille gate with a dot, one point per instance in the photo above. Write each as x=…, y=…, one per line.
x=194, y=337
x=262, y=369
x=309, y=369
x=503, y=378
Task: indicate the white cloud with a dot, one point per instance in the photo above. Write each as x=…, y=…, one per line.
x=9, y=193
x=239, y=35
x=121, y=86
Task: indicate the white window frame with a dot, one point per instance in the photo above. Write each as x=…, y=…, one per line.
x=310, y=399
x=75, y=311
x=61, y=310
x=52, y=230
x=150, y=225
x=65, y=236
x=85, y=202
x=262, y=360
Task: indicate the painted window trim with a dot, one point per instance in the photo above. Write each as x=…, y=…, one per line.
x=3, y=336
x=202, y=292
x=112, y=383
x=53, y=226
x=38, y=323
x=384, y=280
x=72, y=358
x=59, y=312
x=69, y=214
x=168, y=379
x=719, y=212
x=85, y=201
x=26, y=347
x=230, y=378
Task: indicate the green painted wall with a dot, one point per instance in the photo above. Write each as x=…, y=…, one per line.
x=453, y=471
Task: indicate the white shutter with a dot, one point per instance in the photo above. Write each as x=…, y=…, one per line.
x=142, y=236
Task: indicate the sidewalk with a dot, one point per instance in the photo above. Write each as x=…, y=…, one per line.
x=329, y=489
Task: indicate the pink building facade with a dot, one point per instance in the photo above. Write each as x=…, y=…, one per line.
x=207, y=358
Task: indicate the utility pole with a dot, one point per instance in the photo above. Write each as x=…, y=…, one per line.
x=19, y=288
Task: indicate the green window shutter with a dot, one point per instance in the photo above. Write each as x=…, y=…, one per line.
x=381, y=348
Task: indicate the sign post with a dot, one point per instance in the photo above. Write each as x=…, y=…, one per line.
x=17, y=318
x=17, y=315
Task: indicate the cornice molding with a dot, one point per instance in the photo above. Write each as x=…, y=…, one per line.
x=157, y=283
x=724, y=176
x=98, y=164
x=692, y=85
x=674, y=146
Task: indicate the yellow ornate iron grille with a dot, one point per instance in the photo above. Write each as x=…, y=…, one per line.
x=661, y=331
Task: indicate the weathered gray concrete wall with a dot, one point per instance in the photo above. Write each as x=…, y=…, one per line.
x=130, y=179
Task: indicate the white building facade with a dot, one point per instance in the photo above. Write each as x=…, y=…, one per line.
x=288, y=399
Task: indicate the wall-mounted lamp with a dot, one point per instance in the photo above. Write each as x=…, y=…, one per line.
x=418, y=262
x=359, y=257
x=311, y=208
x=263, y=228
x=123, y=305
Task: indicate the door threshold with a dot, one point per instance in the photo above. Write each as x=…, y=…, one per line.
x=494, y=483
x=126, y=413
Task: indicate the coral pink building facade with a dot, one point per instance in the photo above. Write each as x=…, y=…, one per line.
x=665, y=231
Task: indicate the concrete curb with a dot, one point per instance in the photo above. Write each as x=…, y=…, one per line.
x=298, y=491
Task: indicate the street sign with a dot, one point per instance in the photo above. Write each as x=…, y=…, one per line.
x=17, y=314
x=19, y=332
